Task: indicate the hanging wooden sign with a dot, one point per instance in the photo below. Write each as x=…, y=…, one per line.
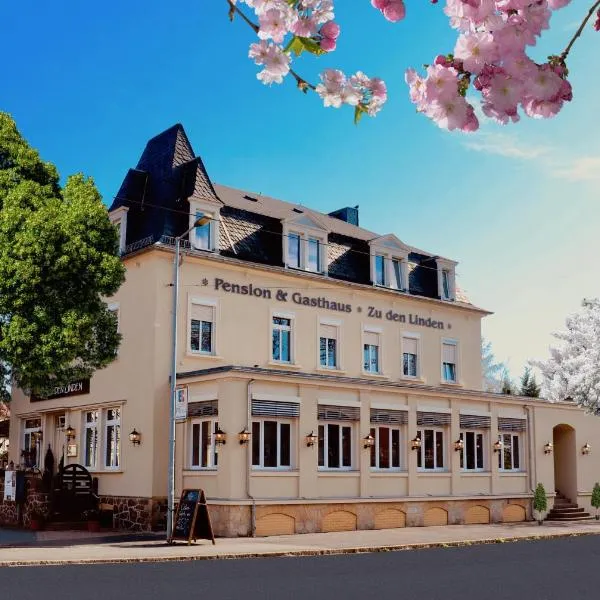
x=192, y=521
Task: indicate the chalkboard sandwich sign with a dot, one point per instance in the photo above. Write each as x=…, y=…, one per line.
x=192, y=521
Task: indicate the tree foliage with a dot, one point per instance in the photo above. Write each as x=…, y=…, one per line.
x=596, y=496
x=58, y=260
x=540, y=501
x=490, y=369
x=573, y=369
x=529, y=385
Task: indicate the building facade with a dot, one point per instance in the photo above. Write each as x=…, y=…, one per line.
x=329, y=377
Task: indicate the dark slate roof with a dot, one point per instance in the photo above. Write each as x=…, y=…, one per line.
x=168, y=175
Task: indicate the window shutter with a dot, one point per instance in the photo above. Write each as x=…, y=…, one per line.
x=409, y=345
x=511, y=424
x=210, y=408
x=449, y=353
x=328, y=412
x=202, y=312
x=271, y=408
x=433, y=419
x=390, y=417
x=371, y=338
x=475, y=422
x=329, y=331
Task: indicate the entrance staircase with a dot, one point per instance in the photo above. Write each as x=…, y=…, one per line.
x=565, y=510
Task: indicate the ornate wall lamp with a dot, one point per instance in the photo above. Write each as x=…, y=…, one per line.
x=311, y=439
x=415, y=443
x=37, y=436
x=548, y=448
x=459, y=445
x=586, y=449
x=70, y=433
x=244, y=436
x=368, y=441
x=135, y=437
x=498, y=446
x=220, y=436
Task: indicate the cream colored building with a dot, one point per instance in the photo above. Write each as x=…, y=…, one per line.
x=341, y=369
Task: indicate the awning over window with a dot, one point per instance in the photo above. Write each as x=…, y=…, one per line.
x=389, y=417
x=329, y=412
x=274, y=408
x=511, y=424
x=475, y=422
x=209, y=408
x=433, y=419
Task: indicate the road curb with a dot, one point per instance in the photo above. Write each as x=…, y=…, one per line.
x=295, y=553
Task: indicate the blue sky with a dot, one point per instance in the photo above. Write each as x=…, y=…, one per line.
x=517, y=206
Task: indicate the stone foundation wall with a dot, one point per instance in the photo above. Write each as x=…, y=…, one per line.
x=14, y=515
x=287, y=519
x=136, y=514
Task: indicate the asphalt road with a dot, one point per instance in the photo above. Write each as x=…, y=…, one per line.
x=565, y=569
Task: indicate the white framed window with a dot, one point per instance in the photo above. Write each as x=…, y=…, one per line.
x=31, y=442
x=305, y=245
x=449, y=361
x=472, y=456
x=329, y=346
x=336, y=446
x=432, y=453
x=509, y=458
x=90, y=439
x=389, y=263
x=118, y=218
x=380, y=268
x=371, y=352
x=202, y=327
x=410, y=356
x=294, y=250
x=386, y=453
x=446, y=279
x=204, y=237
x=272, y=444
x=203, y=449
x=281, y=338
x=112, y=438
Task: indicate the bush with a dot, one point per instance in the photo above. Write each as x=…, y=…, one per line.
x=596, y=497
x=540, y=502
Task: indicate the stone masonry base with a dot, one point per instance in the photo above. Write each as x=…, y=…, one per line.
x=286, y=519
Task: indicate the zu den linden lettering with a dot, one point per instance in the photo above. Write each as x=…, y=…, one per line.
x=332, y=376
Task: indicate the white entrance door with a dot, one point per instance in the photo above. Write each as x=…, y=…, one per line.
x=59, y=443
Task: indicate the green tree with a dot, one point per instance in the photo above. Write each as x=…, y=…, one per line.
x=529, y=386
x=596, y=497
x=540, y=502
x=507, y=383
x=58, y=260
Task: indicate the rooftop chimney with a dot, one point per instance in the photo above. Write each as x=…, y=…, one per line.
x=348, y=214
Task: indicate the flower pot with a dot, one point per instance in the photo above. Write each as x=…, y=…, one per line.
x=94, y=526
x=35, y=524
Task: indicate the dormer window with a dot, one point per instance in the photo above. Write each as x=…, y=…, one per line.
x=118, y=218
x=205, y=237
x=389, y=263
x=305, y=244
x=446, y=279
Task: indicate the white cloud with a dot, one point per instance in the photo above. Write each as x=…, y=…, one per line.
x=551, y=159
x=585, y=168
x=505, y=145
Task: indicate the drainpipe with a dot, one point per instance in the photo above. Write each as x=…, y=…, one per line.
x=532, y=447
x=249, y=462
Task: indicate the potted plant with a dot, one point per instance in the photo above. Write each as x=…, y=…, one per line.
x=36, y=520
x=540, y=502
x=596, y=498
x=93, y=520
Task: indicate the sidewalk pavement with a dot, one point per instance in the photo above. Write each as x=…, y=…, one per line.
x=85, y=548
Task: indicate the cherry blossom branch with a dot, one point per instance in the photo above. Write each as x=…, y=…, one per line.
x=578, y=33
x=302, y=84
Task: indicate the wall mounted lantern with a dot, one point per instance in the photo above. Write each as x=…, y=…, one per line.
x=459, y=445
x=586, y=449
x=415, y=443
x=498, y=446
x=368, y=441
x=70, y=433
x=244, y=436
x=548, y=448
x=311, y=439
x=135, y=437
x=220, y=436
x=37, y=436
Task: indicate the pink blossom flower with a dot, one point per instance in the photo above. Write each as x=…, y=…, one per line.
x=305, y=27
x=275, y=61
x=275, y=23
x=330, y=30
x=393, y=10
x=556, y=4
x=475, y=50
x=328, y=44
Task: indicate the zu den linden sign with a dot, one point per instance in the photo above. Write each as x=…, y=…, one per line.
x=322, y=302
x=75, y=388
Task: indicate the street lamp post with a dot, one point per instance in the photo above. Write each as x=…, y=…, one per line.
x=171, y=482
